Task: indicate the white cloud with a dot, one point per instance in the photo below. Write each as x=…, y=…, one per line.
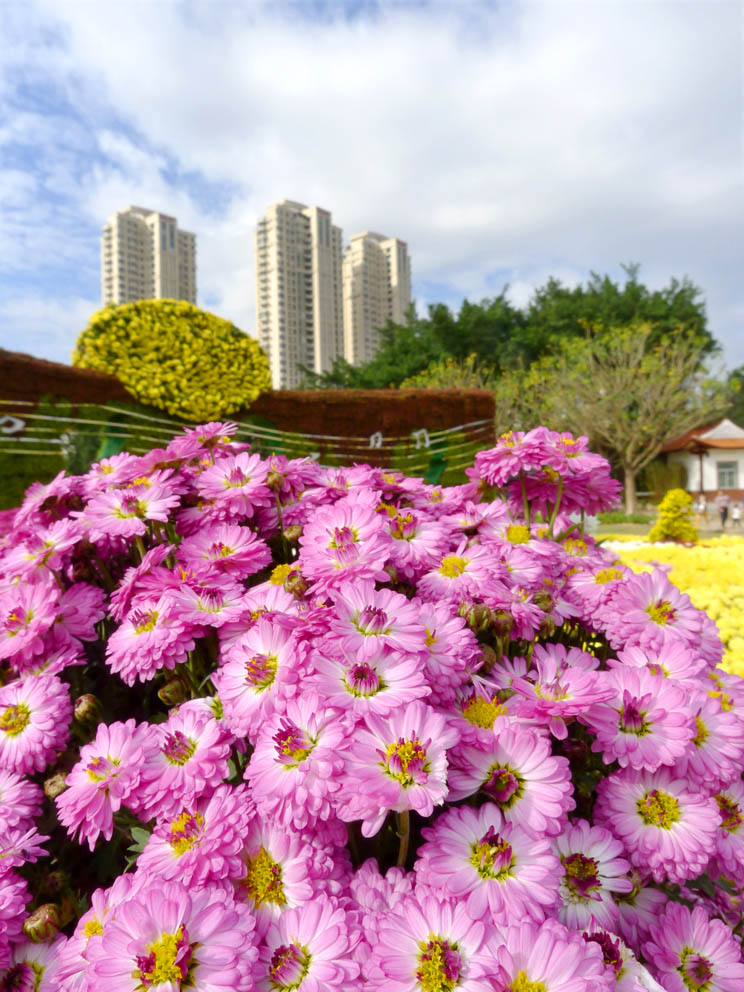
x=543, y=138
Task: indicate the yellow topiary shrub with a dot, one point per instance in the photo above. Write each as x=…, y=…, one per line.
x=172, y=355
x=674, y=522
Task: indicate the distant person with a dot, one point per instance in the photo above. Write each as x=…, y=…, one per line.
x=736, y=515
x=701, y=510
x=722, y=502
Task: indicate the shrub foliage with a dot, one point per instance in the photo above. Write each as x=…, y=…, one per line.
x=175, y=356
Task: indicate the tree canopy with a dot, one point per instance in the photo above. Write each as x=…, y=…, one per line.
x=627, y=388
x=505, y=337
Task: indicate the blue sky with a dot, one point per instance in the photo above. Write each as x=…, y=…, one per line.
x=504, y=142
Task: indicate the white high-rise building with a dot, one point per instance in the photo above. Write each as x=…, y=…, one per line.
x=377, y=288
x=299, y=301
x=145, y=256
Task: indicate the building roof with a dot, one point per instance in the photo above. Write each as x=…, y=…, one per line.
x=723, y=433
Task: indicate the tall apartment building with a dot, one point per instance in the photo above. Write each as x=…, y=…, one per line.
x=299, y=308
x=144, y=256
x=377, y=287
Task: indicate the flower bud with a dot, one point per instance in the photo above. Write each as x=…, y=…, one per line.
x=55, y=785
x=292, y=533
x=87, y=710
x=488, y=657
x=479, y=617
x=275, y=480
x=173, y=692
x=296, y=584
x=502, y=622
x=43, y=924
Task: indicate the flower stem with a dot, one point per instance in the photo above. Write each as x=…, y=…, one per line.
x=556, y=506
x=525, y=501
x=404, y=833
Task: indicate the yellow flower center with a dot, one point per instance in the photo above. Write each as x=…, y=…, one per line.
x=147, y=622
x=731, y=818
x=658, y=809
x=260, y=671
x=15, y=719
x=521, y=983
x=661, y=612
x=93, y=927
x=605, y=575
x=518, y=534
x=439, y=965
x=405, y=760
x=263, y=880
x=185, y=832
x=452, y=566
x=280, y=574
x=482, y=713
x=702, y=733
x=167, y=960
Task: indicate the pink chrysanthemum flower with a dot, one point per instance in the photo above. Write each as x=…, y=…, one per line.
x=645, y=725
x=425, y=944
x=461, y=574
x=183, y=758
x=730, y=836
x=20, y=800
x=152, y=637
x=647, y=611
x=14, y=896
x=295, y=770
x=396, y=763
x=630, y=974
x=33, y=967
x=279, y=870
x=639, y=911
x=135, y=582
x=668, y=830
x=516, y=771
x=19, y=845
x=208, y=601
x=513, y=453
x=170, y=938
x=81, y=607
x=83, y=947
x=373, y=683
x=344, y=542
x=43, y=549
x=549, y=958
x=308, y=949
x=366, y=621
x=202, y=843
x=593, y=869
x=237, y=483
x=263, y=666
x=690, y=953
x=35, y=715
x=225, y=548
x=592, y=584
x=27, y=611
x=418, y=544
x=452, y=651
x=497, y=870
x=106, y=775
x=125, y=512
x=559, y=690
x=673, y=661
x=715, y=757
x=375, y=896
x=480, y=712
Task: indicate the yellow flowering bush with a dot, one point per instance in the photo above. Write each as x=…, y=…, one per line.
x=172, y=355
x=675, y=518
x=712, y=575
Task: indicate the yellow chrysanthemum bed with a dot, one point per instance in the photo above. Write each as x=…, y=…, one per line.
x=174, y=356
x=712, y=574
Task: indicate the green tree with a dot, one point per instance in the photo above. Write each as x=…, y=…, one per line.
x=629, y=390
x=557, y=312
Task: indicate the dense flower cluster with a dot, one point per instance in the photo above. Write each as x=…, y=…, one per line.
x=712, y=575
x=266, y=725
x=175, y=356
